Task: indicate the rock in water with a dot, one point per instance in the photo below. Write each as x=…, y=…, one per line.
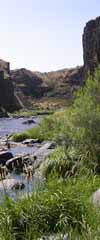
x=31, y=141
x=5, y=156
x=29, y=121
x=18, y=186
x=16, y=162
x=9, y=184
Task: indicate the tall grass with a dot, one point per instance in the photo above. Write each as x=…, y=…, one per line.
x=62, y=207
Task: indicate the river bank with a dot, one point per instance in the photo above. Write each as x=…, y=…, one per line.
x=25, y=158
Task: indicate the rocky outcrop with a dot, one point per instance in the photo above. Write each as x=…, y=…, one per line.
x=91, y=45
x=8, y=101
x=5, y=67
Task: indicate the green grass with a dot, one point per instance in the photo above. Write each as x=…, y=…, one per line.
x=62, y=207
x=72, y=173
x=50, y=128
x=30, y=113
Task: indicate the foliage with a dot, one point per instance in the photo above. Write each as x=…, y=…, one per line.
x=61, y=162
x=18, y=137
x=85, y=121
x=62, y=206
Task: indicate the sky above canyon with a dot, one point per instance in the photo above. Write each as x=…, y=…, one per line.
x=44, y=35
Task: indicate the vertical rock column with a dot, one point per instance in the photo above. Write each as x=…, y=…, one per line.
x=91, y=45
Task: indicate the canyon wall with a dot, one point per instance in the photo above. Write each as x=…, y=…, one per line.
x=8, y=101
x=91, y=45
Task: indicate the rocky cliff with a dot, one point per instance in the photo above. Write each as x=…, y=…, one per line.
x=91, y=45
x=8, y=101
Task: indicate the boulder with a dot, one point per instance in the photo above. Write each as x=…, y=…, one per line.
x=45, y=148
x=18, y=186
x=16, y=162
x=10, y=184
x=30, y=141
x=29, y=121
x=42, y=153
x=5, y=156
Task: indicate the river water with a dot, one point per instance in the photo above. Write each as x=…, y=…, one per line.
x=10, y=126
x=13, y=125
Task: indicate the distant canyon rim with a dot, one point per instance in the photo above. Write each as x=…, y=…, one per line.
x=23, y=88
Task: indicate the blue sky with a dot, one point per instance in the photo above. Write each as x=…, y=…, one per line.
x=44, y=35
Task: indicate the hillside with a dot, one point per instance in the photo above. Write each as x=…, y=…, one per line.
x=45, y=90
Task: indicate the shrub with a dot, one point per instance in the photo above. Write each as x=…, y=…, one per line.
x=18, y=137
x=85, y=121
x=61, y=162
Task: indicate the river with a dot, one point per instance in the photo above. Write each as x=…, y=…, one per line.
x=10, y=126
x=13, y=125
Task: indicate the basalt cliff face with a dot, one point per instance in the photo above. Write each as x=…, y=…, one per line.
x=22, y=88
x=8, y=101
x=91, y=45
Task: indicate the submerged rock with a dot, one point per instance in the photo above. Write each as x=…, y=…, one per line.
x=29, y=121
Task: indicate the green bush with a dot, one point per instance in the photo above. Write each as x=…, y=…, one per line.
x=19, y=137
x=85, y=121
x=61, y=162
x=64, y=205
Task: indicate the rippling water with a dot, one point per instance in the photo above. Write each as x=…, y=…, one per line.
x=13, y=125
